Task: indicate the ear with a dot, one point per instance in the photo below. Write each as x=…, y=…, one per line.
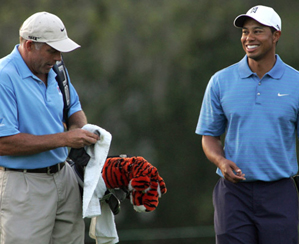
x=28, y=45
x=276, y=36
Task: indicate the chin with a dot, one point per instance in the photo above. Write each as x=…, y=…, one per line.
x=254, y=57
x=46, y=71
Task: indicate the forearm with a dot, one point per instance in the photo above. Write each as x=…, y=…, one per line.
x=77, y=120
x=213, y=149
x=27, y=144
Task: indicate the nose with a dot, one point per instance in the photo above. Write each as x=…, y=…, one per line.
x=57, y=56
x=250, y=36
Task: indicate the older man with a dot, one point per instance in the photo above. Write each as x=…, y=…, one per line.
x=40, y=200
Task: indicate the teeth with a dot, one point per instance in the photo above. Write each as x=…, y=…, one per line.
x=251, y=46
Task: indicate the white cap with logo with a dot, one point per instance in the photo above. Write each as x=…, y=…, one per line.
x=47, y=28
x=262, y=14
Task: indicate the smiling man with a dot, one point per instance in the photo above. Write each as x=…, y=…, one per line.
x=255, y=104
x=40, y=200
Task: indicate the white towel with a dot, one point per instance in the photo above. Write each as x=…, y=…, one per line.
x=102, y=227
x=94, y=185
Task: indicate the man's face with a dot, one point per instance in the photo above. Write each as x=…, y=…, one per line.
x=42, y=59
x=257, y=40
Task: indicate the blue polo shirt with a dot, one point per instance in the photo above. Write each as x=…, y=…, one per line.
x=27, y=105
x=258, y=116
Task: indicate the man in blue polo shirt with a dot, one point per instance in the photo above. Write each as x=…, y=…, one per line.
x=40, y=200
x=255, y=103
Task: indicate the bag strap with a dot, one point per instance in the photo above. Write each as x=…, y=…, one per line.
x=63, y=83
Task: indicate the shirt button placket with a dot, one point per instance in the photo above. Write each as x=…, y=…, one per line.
x=258, y=94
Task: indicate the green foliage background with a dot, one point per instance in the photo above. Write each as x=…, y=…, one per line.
x=141, y=74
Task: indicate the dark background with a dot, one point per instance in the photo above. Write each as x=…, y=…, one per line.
x=141, y=74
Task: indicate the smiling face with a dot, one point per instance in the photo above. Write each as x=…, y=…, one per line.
x=258, y=40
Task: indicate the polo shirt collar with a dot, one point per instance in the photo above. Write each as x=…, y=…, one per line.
x=276, y=72
x=23, y=69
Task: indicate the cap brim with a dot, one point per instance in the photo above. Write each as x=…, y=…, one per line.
x=239, y=21
x=64, y=46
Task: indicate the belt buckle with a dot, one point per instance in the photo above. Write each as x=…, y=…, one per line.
x=49, y=171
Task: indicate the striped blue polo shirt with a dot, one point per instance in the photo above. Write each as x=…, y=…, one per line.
x=27, y=105
x=258, y=116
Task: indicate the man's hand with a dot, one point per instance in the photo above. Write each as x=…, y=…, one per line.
x=230, y=171
x=213, y=149
x=27, y=144
x=78, y=138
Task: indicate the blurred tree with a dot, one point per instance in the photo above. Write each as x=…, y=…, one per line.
x=141, y=74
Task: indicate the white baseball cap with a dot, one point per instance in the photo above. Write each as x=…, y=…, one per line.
x=47, y=28
x=262, y=14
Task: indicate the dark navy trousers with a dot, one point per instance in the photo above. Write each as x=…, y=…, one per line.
x=256, y=212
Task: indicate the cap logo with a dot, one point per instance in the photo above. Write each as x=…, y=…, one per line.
x=253, y=10
x=33, y=38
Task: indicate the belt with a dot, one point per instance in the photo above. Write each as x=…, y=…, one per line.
x=49, y=170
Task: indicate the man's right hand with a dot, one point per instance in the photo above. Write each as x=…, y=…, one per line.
x=213, y=149
x=231, y=171
x=78, y=138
